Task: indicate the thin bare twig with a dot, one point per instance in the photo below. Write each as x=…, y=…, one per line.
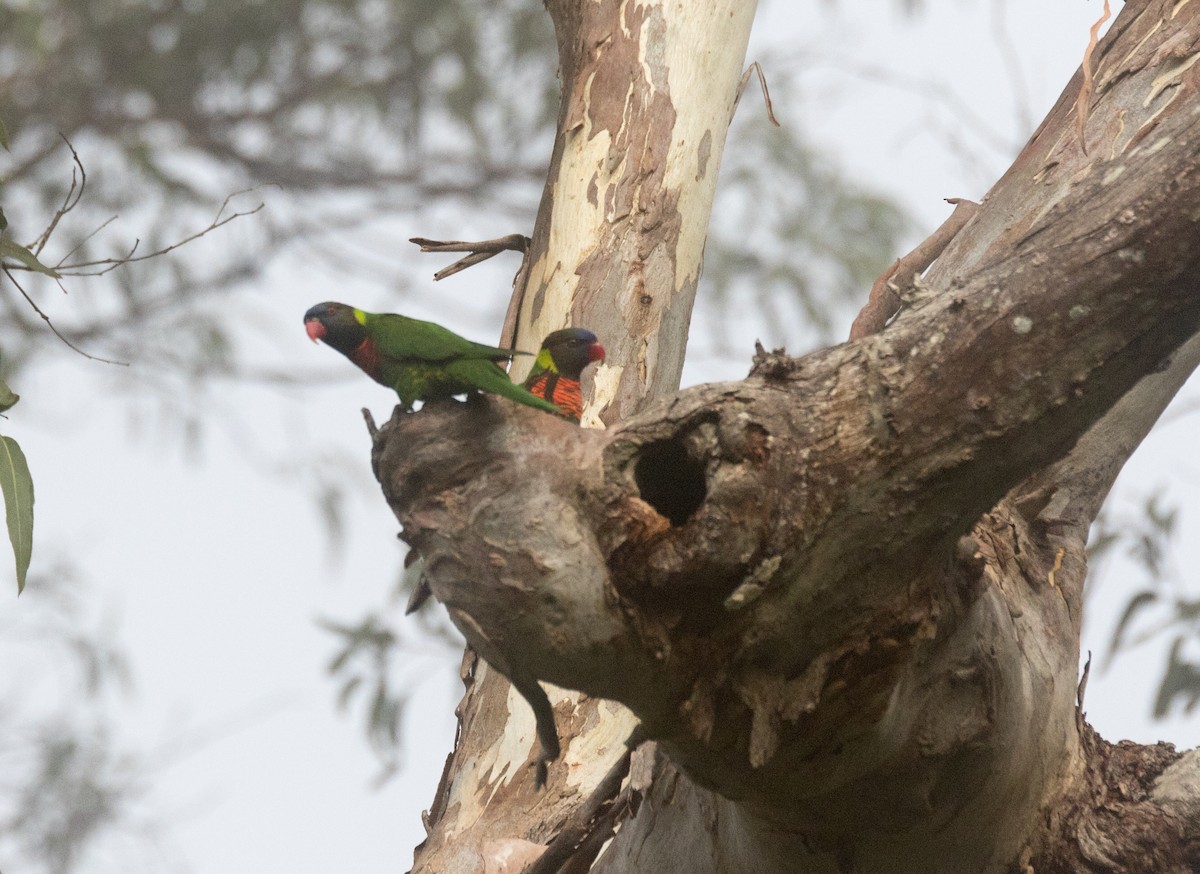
x=84, y=241
x=51, y=326
x=70, y=201
x=1083, y=101
x=480, y=251
x=110, y=264
x=884, y=301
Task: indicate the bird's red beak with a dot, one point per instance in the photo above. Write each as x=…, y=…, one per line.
x=595, y=353
x=316, y=331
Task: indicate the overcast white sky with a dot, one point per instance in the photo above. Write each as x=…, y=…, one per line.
x=213, y=573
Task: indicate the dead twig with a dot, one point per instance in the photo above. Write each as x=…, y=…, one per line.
x=50, y=324
x=70, y=201
x=85, y=240
x=81, y=268
x=480, y=251
x=884, y=301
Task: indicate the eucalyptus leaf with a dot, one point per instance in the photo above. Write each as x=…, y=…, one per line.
x=7, y=398
x=3, y=136
x=18, y=504
x=3, y=219
x=14, y=250
x=1140, y=600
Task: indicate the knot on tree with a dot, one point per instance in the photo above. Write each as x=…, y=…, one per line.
x=775, y=364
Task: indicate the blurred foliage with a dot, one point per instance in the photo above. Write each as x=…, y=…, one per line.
x=1161, y=607
x=793, y=240
x=339, y=111
x=378, y=659
x=344, y=113
x=64, y=778
x=363, y=667
x=340, y=114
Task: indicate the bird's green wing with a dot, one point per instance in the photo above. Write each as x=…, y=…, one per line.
x=408, y=339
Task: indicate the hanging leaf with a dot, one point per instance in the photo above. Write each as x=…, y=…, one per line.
x=18, y=504
x=1140, y=600
x=3, y=219
x=1180, y=680
x=3, y=136
x=14, y=250
x=7, y=398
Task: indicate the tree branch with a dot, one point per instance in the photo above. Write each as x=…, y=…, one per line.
x=830, y=492
x=884, y=300
x=836, y=593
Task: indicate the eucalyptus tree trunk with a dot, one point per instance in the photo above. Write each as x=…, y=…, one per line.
x=843, y=596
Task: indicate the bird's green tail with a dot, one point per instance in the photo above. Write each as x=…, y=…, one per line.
x=522, y=395
x=486, y=376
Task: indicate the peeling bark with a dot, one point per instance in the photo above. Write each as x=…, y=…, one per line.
x=648, y=94
x=844, y=594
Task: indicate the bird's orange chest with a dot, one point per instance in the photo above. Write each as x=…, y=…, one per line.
x=564, y=393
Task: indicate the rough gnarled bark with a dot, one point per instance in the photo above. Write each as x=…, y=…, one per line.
x=844, y=595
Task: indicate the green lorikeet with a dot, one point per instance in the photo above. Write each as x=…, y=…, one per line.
x=560, y=361
x=422, y=361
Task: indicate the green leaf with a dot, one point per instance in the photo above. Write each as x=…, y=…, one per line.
x=3, y=219
x=7, y=398
x=18, y=504
x=3, y=136
x=10, y=249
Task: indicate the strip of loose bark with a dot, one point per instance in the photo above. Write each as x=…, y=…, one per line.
x=1085, y=90
x=884, y=301
x=581, y=825
x=756, y=67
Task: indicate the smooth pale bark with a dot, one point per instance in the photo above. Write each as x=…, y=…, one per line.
x=844, y=594
x=648, y=94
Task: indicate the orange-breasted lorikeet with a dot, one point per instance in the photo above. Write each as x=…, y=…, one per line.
x=560, y=361
x=421, y=360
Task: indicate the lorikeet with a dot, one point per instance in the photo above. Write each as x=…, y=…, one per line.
x=422, y=361
x=555, y=374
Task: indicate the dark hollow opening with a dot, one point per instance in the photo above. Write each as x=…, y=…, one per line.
x=670, y=480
